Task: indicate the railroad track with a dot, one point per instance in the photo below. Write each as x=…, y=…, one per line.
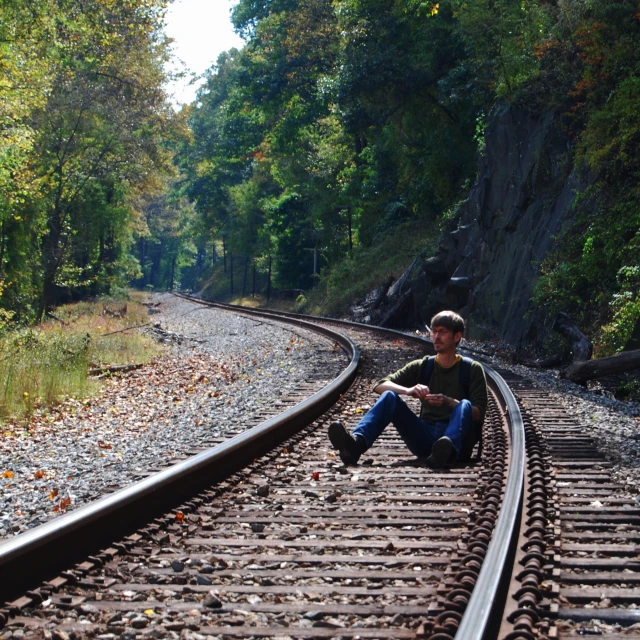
x=579, y=551
x=292, y=544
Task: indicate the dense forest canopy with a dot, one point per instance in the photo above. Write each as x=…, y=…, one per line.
x=86, y=138
x=338, y=121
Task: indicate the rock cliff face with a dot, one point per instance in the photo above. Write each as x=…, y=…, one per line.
x=488, y=259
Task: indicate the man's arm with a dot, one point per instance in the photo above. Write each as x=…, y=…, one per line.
x=420, y=391
x=405, y=381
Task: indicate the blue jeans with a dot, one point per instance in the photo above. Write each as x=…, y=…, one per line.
x=417, y=434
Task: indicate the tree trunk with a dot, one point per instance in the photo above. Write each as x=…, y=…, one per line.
x=583, y=371
x=172, y=278
x=580, y=345
x=253, y=290
x=244, y=281
x=269, y=281
x=52, y=252
x=47, y=298
x=382, y=294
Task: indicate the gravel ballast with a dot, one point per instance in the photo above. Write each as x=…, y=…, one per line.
x=614, y=425
x=220, y=368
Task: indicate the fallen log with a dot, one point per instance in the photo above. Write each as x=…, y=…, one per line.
x=601, y=367
x=60, y=320
x=580, y=345
x=552, y=362
x=116, y=368
x=137, y=326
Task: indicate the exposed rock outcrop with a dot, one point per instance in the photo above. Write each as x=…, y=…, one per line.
x=488, y=259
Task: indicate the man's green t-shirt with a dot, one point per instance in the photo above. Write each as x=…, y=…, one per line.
x=445, y=381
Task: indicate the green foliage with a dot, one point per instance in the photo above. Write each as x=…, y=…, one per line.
x=341, y=122
x=85, y=129
x=162, y=245
x=629, y=388
x=625, y=310
x=500, y=37
x=5, y=315
x=337, y=121
x=38, y=366
x=300, y=304
x=593, y=274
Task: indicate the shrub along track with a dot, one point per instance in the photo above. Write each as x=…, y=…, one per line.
x=292, y=543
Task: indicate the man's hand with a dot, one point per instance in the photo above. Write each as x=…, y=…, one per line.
x=440, y=400
x=420, y=391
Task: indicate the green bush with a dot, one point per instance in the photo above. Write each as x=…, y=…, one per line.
x=39, y=366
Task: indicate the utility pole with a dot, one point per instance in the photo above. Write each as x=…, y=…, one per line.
x=314, y=273
x=244, y=281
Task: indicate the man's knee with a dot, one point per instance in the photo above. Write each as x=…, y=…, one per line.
x=388, y=397
x=464, y=409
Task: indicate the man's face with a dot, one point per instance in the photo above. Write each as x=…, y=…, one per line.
x=444, y=339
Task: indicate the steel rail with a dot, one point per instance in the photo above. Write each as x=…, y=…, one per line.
x=32, y=557
x=482, y=616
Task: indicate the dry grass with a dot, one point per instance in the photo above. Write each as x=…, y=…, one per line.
x=40, y=366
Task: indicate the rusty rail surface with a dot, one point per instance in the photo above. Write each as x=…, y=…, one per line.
x=577, y=571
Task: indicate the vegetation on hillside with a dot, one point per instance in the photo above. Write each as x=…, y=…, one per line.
x=340, y=128
x=338, y=122
x=595, y=271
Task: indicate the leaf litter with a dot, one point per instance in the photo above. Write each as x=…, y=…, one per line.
x=226, y=369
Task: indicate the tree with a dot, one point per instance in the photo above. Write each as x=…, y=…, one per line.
x=99, y=132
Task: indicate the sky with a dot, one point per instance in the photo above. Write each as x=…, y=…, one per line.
x=201, y=30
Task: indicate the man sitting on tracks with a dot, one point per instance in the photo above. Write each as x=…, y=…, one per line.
x=453, y=394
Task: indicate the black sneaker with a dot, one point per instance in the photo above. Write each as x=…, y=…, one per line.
x=440, y=453
x=349, y=448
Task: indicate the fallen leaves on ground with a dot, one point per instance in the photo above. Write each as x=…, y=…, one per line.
x=62, y=505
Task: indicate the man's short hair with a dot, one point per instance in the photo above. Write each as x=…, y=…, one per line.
x=448, y=320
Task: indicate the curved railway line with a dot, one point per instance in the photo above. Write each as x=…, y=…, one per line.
x=268, y=535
